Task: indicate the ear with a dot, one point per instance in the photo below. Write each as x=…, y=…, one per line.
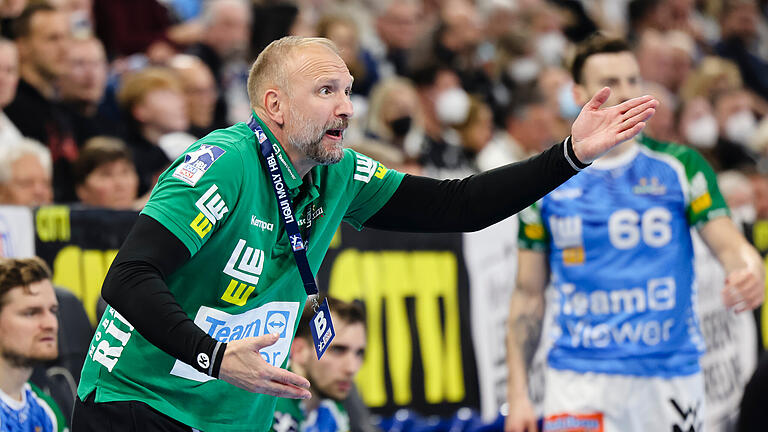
x=139, y=112
x=81, y=193
x=580, y=94
x=301, y=349
x=275, y=105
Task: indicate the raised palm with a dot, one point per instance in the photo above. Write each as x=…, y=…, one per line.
x=597, y=130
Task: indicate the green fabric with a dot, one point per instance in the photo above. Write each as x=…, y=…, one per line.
x=241, y=281
x=61, y=422
x=705, y=202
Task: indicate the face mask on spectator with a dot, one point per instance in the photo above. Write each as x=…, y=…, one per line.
x=401, y=125
x=740, y=127
x=744, y=215
x=702, y=132
x=452, y=106
x=550, y=47
x=523, y=70
x=569, y=109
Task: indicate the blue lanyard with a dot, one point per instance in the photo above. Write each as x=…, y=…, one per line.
x=285, y=207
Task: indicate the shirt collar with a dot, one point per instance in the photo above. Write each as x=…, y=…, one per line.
x=291, y=177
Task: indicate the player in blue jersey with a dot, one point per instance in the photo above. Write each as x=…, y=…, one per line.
x=28, y=330
x=615, y=244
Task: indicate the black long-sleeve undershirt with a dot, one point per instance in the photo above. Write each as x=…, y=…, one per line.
x=135, y=284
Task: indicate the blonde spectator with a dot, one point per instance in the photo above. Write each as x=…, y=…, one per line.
x=153, y=101
x=713, y=74
x=25, y=174
x=343, y=31
x=105, y=175
x=394, y=116
x=477, y=130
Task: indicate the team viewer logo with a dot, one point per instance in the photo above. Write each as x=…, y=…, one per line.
x=277, y=322
x=226, y=327
x=196, y=163
x=212, y=209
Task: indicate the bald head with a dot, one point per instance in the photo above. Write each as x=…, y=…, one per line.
x=279, y=61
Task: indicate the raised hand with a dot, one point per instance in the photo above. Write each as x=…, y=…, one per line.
x=244, y=367
x=597, y=130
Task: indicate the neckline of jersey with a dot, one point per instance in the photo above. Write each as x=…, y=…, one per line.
x=618, y=161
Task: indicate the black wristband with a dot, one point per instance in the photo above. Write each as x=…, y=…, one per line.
x=570, y=156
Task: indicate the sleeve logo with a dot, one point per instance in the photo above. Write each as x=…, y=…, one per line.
x=212, y=208
x=366, y=168
x=702, y=200
x=196, y=163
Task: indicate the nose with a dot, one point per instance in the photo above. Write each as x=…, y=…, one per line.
x=50, y=322
x=345, y=108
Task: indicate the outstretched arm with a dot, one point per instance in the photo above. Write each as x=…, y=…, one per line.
x=422, y=204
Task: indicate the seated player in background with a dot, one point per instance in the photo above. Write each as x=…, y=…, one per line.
x=28, y=335
x=330, y=378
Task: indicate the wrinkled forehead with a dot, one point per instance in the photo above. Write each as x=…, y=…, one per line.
x=316, y=62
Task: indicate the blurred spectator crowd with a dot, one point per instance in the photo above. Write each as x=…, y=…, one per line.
x=97, y=97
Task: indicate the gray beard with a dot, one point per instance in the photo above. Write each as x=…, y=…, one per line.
x=309, y=141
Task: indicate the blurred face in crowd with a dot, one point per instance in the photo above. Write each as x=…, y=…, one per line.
x=86, y=77
x=112, y=185
x=29, y=185
x=741, y=21
x=533, y=128
x=462, y=26
x=735, y=118
x=698, y=125
x=619, y=71
x=45, y=49
x=398, y=26
x=229, y=32
x=344, y=36
x=479, y=131
x=318, y=104
x=399, y=109
x=9, y=73
x=163, y=110
x=28, y=325
x=12, y=8
x=200, y=91
x=332, y=376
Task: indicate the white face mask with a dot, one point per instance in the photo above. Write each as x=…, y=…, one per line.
x=702, y=132
x=452, y=106
x=740, y=127
x=745, y=214
x=523, y=70
x=550, y=47
x=569, y=109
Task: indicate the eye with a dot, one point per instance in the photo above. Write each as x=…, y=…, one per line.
x=348, y=91
x=325, y=90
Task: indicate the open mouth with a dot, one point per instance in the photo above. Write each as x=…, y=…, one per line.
x=334, y=133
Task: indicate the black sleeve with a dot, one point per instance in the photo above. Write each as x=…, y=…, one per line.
x=422, y=204
x=135, y=287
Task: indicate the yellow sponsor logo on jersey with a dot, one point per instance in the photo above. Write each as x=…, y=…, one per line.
x=701, y=203
x=201, y=225
x=534, y=232
x=381, y=171
x=573, y=256
x=237, y=293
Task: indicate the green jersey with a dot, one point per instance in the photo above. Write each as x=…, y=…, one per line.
x=241, y=280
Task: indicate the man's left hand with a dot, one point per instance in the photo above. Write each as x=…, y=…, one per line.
x=743, y=290
x=596, y=131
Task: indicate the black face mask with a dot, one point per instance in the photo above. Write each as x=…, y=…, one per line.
x=400, y=126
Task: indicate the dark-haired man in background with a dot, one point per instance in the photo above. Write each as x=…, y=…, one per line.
x=615, y=243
